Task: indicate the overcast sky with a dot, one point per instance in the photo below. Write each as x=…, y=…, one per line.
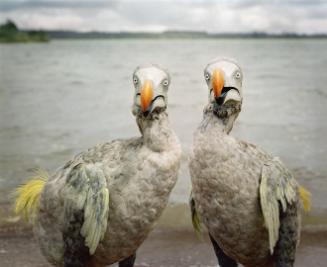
x=302, y=16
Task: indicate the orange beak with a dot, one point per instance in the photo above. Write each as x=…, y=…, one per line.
x=217, y=82
x=146, y=95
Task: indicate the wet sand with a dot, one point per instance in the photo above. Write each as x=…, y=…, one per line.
x=163, y=248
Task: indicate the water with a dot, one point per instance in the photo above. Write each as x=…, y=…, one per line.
x=59, y=98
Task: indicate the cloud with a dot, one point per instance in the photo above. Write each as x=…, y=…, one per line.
x=18, y=5
x=146, y=15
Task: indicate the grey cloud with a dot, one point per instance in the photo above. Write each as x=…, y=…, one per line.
x=35, y=4
x=275, y=3
x=16, y=5
x=318, y=13
x=152, y=15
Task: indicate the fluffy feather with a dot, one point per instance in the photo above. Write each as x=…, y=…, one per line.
x=28, y=195
x=306, y=198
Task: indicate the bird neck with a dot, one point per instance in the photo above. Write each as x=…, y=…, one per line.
x=156, y=132
x=221, y=120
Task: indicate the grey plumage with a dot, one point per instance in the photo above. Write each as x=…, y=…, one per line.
x=102, y=204
x=246, y=198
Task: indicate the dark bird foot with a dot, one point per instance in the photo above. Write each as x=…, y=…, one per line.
x=128, y=262
x=223, y=259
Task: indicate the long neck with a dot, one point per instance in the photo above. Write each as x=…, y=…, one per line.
x=220, y=122
x=211, y=122
x=156, y=132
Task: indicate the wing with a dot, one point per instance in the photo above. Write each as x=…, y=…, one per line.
x=86, y=192
x=195, y=217
x=278, y=189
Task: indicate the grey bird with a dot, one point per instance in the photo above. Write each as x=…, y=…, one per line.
x=99, y=207
x=246, y=198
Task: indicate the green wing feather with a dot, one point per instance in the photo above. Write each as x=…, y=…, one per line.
x=195, y=217
x=87, y=190
x=277, y=188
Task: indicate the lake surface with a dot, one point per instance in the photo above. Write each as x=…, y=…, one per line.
x=59, y=98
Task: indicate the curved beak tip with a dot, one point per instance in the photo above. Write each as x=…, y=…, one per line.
x=146, y=95
x=217, y=82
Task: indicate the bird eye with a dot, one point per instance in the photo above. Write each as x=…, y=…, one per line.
x=165, y=82
x=238, y=75
x=207, y=76
x=135, y=80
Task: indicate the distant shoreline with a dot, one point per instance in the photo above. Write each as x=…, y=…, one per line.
x=56, y=34
x=10, y=33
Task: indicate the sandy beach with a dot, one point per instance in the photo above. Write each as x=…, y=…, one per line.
x=163, y=248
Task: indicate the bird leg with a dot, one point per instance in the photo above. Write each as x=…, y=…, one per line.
x=223, y=259
x=128, y=262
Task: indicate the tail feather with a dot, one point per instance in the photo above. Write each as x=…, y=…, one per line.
x=28, y=195
x=306, y=198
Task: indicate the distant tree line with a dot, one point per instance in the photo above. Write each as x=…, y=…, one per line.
x=9, y=33
x=173, y=35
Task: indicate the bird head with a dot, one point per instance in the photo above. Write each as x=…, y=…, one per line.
x=151, y=84
x=224, y=79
